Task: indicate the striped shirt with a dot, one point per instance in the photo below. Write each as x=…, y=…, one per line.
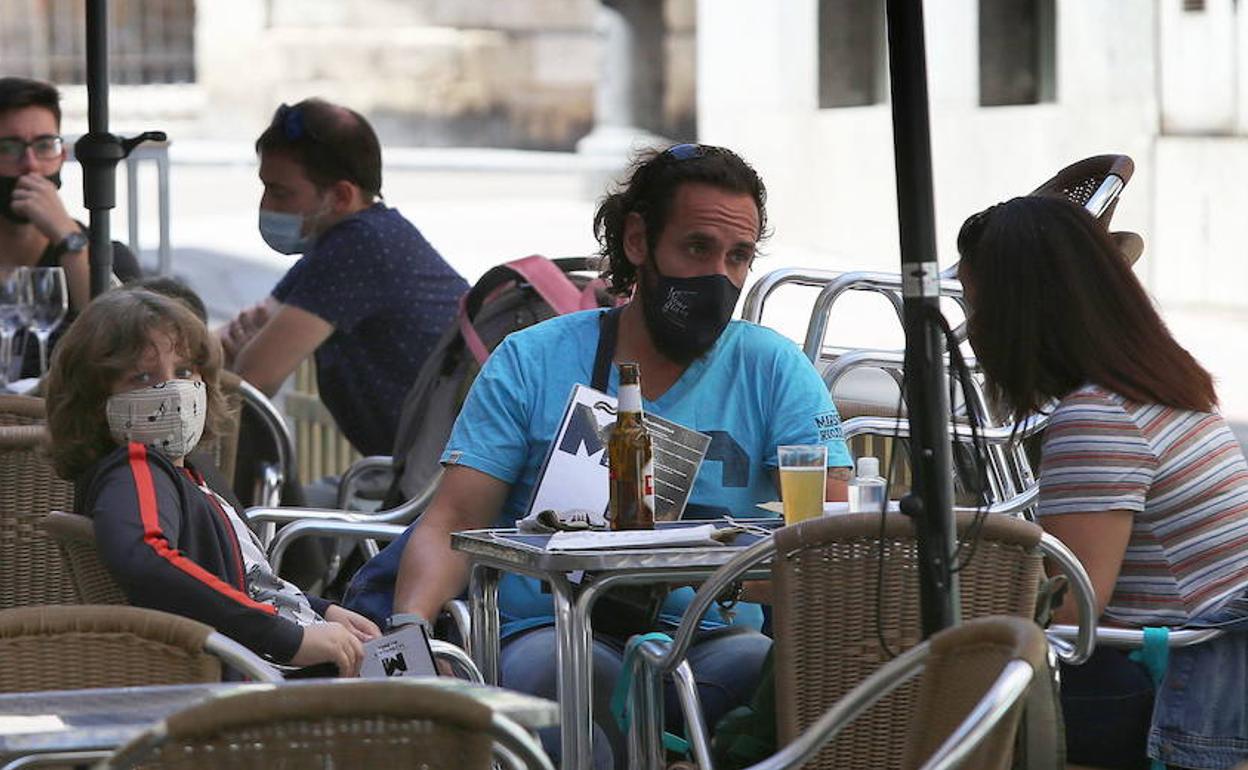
x=1183, y=476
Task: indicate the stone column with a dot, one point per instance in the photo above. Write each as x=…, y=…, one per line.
x=628, y=98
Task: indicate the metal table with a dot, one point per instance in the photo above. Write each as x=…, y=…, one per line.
x=494, y=551
x=59, y=721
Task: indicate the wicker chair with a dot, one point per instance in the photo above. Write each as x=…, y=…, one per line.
x=845, y=587
x=392, y=724
x=973, y=677
x=31, y=571
x=21, y=410
x=1094, y=183
x=830, y=618
x=71, y=647
x=74, y=536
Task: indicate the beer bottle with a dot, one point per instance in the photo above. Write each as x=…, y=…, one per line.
x=630, y=459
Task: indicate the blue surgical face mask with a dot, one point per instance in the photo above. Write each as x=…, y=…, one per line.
x=283, y=232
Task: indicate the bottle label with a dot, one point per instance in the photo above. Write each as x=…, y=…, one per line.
x=647, y=484
x=629, y=399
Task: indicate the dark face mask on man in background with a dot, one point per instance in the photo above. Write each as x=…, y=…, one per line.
x=685, y=316
x=7, y=183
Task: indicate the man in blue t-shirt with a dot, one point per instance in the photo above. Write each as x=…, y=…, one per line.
x=683, y=233
x=369, y=296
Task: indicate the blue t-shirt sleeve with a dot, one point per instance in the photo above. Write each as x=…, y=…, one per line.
x=343, y=278
x=491, y=431
x=803, y=410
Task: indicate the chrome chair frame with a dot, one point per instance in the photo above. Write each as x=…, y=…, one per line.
x=273, y=477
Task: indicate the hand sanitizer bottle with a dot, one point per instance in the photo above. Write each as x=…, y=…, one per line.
x=867, y=487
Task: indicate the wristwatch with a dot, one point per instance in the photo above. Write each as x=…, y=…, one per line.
x=407, y=619
x=75, y=241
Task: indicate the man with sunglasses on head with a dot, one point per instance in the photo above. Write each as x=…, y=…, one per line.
x=36, y=230
x=679, y=237
x=369, y=296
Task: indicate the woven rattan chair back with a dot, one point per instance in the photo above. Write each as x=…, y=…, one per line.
x=339, y=724
x=71, y=647
x=1079, y=181
x=31, y=569
x=843, y=592
x=21, y=410
x=74, y=536
x=963, y=664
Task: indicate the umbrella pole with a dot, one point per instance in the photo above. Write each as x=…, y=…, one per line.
x=930, y=503
x=98, y=151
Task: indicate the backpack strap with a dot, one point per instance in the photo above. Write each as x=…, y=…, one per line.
x=608, y=333
x=546, y=278
x=549, y=281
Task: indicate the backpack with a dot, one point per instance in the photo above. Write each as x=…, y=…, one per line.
x=509, y=297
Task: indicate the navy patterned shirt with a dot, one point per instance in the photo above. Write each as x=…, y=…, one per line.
x=389, y=296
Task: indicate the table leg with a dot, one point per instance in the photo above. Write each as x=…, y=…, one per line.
x=575, y=682
x=483, y=604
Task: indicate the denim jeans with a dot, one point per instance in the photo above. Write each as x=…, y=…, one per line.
x=1201, y=717
x=725, y=665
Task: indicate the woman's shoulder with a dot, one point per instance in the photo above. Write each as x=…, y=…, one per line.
x=1092, y=411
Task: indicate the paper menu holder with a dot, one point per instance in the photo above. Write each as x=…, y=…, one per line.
x=574, y=474
x=404, y=651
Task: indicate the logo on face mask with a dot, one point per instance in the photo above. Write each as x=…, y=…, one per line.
x=167, y=417
x=685, y=316
x=7, y=184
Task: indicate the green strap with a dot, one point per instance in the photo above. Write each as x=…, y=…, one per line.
x=1155, y=657
x=620, y=704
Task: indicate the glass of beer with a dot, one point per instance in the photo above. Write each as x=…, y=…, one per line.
x=803, y=474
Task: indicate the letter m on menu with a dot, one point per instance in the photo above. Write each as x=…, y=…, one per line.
x=584, y=432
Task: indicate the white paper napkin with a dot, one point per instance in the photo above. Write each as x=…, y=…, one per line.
x=668, y=537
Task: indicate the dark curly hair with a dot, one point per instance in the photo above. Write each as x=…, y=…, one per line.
x=1054, y=306
x=649, y=191
x=101, y=346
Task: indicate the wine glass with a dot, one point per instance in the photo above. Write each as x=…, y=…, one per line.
x=14, y=313
x=49, y=304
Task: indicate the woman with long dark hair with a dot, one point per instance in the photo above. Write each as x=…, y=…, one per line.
x=1139, y=476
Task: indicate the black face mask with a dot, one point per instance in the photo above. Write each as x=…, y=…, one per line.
x=7, y=183
x=685, y=316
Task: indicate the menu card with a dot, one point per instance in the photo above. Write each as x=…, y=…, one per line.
x=574, y=474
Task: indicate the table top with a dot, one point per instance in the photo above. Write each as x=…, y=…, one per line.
x=510, y=549
x=76, y=720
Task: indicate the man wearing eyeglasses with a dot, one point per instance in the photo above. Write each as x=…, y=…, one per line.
x=36, y=230
x=369, y=296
